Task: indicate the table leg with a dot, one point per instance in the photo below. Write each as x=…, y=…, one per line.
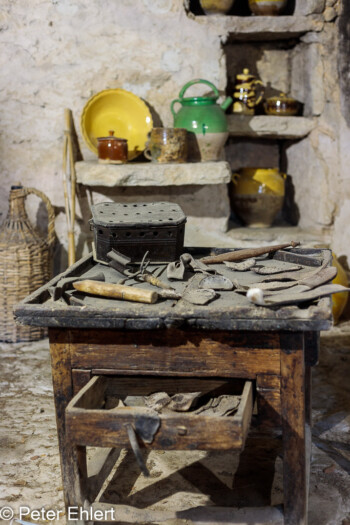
x=294, y=430
x=73, y=458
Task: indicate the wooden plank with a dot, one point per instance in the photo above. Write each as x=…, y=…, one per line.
x=101, y=470
x=268, y=389
x=91, y=396
x=71, y=457
x=312, y=347
x=143, y=385
x=316, y=317
x=185, y=432
x=293, y=423
x=197, y=516
x=245, y=410
x=79, y=379
x=177, y=352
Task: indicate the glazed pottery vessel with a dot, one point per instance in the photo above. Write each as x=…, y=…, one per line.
x=167, y=145
x=203, y=118
x=117, y=109
x=281, y=105
x=257, y=195
x=248, y=93
x=112, y=150
x=339, y=300
x=207, y=147
x=267, y=7
x=216, y=7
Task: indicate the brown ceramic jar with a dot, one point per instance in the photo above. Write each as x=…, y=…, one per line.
x=281, y=105
x=112, y=150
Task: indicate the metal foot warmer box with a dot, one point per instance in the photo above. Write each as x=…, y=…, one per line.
x=133, y=229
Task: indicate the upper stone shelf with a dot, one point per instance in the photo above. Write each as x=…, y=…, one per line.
x=270, y=127
x=260, y=27
x=91, y=173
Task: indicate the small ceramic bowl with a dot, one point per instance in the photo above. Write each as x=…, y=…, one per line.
x=281, y=105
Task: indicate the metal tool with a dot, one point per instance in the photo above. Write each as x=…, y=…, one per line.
x=240, y=255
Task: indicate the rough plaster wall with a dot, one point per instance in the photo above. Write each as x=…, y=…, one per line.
x=319, y=164
x=341, y=243
x=57, y=53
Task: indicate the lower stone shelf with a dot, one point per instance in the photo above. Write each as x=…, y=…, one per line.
x=91, y=173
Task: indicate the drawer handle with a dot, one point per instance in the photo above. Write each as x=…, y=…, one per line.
x=136, y=449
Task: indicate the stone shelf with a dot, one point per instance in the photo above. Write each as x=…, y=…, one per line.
x=243, y=237
x=270, y=127
x=91, y=173
x=260, y=27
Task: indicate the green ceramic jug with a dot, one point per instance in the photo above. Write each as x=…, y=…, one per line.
x=201, y=115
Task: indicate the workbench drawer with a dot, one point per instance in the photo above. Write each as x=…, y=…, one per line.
x=94, y=419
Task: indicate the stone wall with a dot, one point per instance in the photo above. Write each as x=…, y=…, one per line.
x=57, y=53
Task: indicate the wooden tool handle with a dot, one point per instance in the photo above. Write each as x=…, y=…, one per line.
x=151, y=279
x=240, y=255
x=118, y=291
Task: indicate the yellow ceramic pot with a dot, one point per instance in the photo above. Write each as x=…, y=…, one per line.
x=281, y=105
x=266, y=7
x=339, y=300
x=248, y=93
x=216, y=7
x=257, y=195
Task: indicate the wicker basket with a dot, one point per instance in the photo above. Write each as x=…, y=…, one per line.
x=25, y=263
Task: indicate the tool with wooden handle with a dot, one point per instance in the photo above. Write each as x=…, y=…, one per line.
x=240, y=255
x=116, y=291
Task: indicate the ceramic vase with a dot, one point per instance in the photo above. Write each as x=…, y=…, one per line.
x=339, y=300
x=281, y=105
x=257, y=195
x=267, y=7
x=216, y=7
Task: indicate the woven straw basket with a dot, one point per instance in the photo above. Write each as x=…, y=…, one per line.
x=25, y=263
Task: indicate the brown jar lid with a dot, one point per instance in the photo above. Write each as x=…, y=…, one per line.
x=282, y=97
x=245, y=76
x=112, y=137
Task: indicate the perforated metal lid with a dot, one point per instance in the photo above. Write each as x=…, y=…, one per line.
x=137, y=214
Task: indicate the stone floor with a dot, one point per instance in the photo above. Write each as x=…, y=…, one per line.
x=29, y=464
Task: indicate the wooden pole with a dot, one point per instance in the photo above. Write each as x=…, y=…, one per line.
x=70, y=203
x=246, y=253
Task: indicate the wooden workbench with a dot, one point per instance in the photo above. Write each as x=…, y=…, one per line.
x=225, y=344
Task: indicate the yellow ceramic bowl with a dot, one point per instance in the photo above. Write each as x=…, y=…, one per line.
x=339, y=299
x=121, y=111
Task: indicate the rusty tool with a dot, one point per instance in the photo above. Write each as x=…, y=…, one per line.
x=240, y=255
x=120, y=262
x=116, y=291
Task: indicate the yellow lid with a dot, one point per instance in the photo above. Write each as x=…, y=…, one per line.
x=245, y=75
